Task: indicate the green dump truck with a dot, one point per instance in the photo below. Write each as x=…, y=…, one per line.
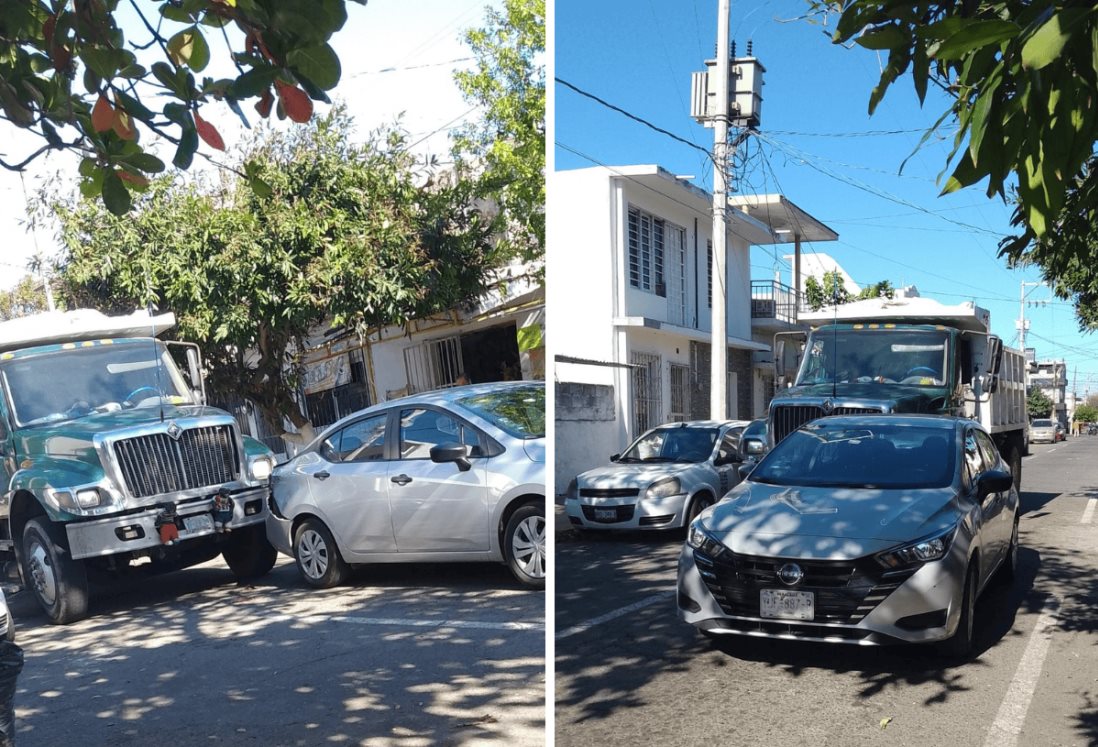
x=908, y=355
x=111, y=462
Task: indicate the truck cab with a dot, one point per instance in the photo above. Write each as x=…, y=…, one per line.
x=110, y=460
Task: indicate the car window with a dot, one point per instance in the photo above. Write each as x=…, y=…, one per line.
x=730, y=444
x=364, y=440
x=421, y=430
x=974, y=462
x=988, y=450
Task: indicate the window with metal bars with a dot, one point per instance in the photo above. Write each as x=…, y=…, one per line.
x=647, y=391
x=680, y=392
x=709, y=272
x=646, y=251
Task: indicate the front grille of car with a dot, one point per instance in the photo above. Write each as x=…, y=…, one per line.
x=621, y=513
x=156, y=464
x=845, y=591
x=609, y=492
x=788, y=418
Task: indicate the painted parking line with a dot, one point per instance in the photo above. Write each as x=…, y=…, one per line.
x=403, y=622
x=595, y=621
x=1004, y=732
x=1088, y=512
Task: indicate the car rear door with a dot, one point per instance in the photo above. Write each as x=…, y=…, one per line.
x=349, y=484
x=437, y=507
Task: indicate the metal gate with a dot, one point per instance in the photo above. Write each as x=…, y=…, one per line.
x=433, y=364
x=680, y=392
x=647, y=388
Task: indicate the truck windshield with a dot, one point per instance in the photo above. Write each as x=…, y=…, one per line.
x=674, y=444
x=883, y=356
x=79, y=381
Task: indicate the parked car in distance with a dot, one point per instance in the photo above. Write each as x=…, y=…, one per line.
x=662, y=481
x=1043, y=430
x=451, y=475
x=857, y=529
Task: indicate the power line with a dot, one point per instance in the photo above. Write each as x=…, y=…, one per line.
x=633, y=117
x=412, y=67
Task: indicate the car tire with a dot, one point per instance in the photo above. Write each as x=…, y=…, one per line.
x=248, y=553
x=59, y=583
x=700, y=502
x=317, y=556
x=959, y=645
x=524, y=545
x=10, y=635
x=1008, y=570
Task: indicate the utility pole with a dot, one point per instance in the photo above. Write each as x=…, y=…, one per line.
x=718, y=377
x=1022, y=325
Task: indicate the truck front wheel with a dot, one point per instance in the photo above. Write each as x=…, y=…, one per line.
x=248, y=553
x=59, y=583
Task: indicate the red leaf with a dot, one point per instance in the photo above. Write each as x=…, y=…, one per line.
x=123, y=125
x=62, y=58
x=102, y=115
x=263, y=106
x=48, y=29
x=208, y=132
x=135, y=179
x=298, y=105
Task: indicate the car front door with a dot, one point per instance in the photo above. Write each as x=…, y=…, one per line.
x=437, y=507
x=349, y=484
x=726, y=461
x=990, y=504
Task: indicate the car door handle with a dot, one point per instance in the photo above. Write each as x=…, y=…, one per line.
x=322, y=475
x=401, y=479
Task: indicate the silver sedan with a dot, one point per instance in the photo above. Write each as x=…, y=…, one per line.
x=857, y=529
x=452, y=475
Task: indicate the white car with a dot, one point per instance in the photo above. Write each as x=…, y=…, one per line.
x=662, y=481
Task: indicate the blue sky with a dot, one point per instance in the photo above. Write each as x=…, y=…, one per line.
x=821, y=149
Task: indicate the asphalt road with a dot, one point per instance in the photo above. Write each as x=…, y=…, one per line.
x=629, y=672
x=401, y=655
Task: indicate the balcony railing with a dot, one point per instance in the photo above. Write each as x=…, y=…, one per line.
x=773, y=300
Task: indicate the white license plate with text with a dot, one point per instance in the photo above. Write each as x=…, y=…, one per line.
x=785, y=604
x=197, y=524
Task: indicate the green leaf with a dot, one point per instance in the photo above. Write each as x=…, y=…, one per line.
x=188, y=47
x=254, y=82
x=134, y=107
x=147, y=162
x=260, y=187
x=319, y=64
x=103, y=61
x=882, y=37
x=173, y=13
x=115, y=195
x=1049, y=40
x=188, y=144
x=976, y=35
x=88, y=167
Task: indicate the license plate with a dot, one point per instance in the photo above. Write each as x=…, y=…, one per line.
x=606, y=514
x=198, y=524
x=784, y=604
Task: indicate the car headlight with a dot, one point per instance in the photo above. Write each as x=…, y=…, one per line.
x=261, y=467
x=926, y=550
x=664, y=488
x=699, y=539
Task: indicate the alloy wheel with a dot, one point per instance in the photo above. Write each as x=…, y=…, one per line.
x=312, y=553
x=42, y=575
x=528, y=546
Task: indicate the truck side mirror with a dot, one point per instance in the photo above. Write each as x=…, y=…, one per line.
x=779, y=358
x=994, y=356
x=194, y=368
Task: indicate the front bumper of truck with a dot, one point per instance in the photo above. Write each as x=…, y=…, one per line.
x=137, y=531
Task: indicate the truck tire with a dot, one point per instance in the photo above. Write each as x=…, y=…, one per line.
x=248, y=553
x=59, y=583
x=1014, y=459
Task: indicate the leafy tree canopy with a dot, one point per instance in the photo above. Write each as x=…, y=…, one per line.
x=348, y=233
x=1086, y=414
x=830, y=290
x=1038, y=404
x=27, y=297
x=70, y=75
x=1022, y=77
x=507, y=145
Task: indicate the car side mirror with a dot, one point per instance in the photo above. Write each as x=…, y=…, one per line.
x=456, y=453
x=753, y=446
x=615, y=457
x=994, y=481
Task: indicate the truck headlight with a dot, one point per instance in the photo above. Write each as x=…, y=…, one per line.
x=926, y=550
x=664, y=488
x=261, y=467
x=90, y=498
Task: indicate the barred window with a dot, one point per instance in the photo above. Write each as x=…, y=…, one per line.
x=646, y=248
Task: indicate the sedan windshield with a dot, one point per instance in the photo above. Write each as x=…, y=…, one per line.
x=519, y=410
x=672, y=444
x=75, y=382
x=844, y=456
x=1042, y=423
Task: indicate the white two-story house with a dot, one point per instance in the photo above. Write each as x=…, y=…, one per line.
x=630, y=287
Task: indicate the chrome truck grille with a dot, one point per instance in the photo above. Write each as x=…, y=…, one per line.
x=785, y=419
x=158, y=464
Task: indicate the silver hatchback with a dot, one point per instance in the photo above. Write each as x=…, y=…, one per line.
x=451, y=475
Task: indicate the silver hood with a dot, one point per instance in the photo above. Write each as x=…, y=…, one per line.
x=826, y=523
x=630, y=475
